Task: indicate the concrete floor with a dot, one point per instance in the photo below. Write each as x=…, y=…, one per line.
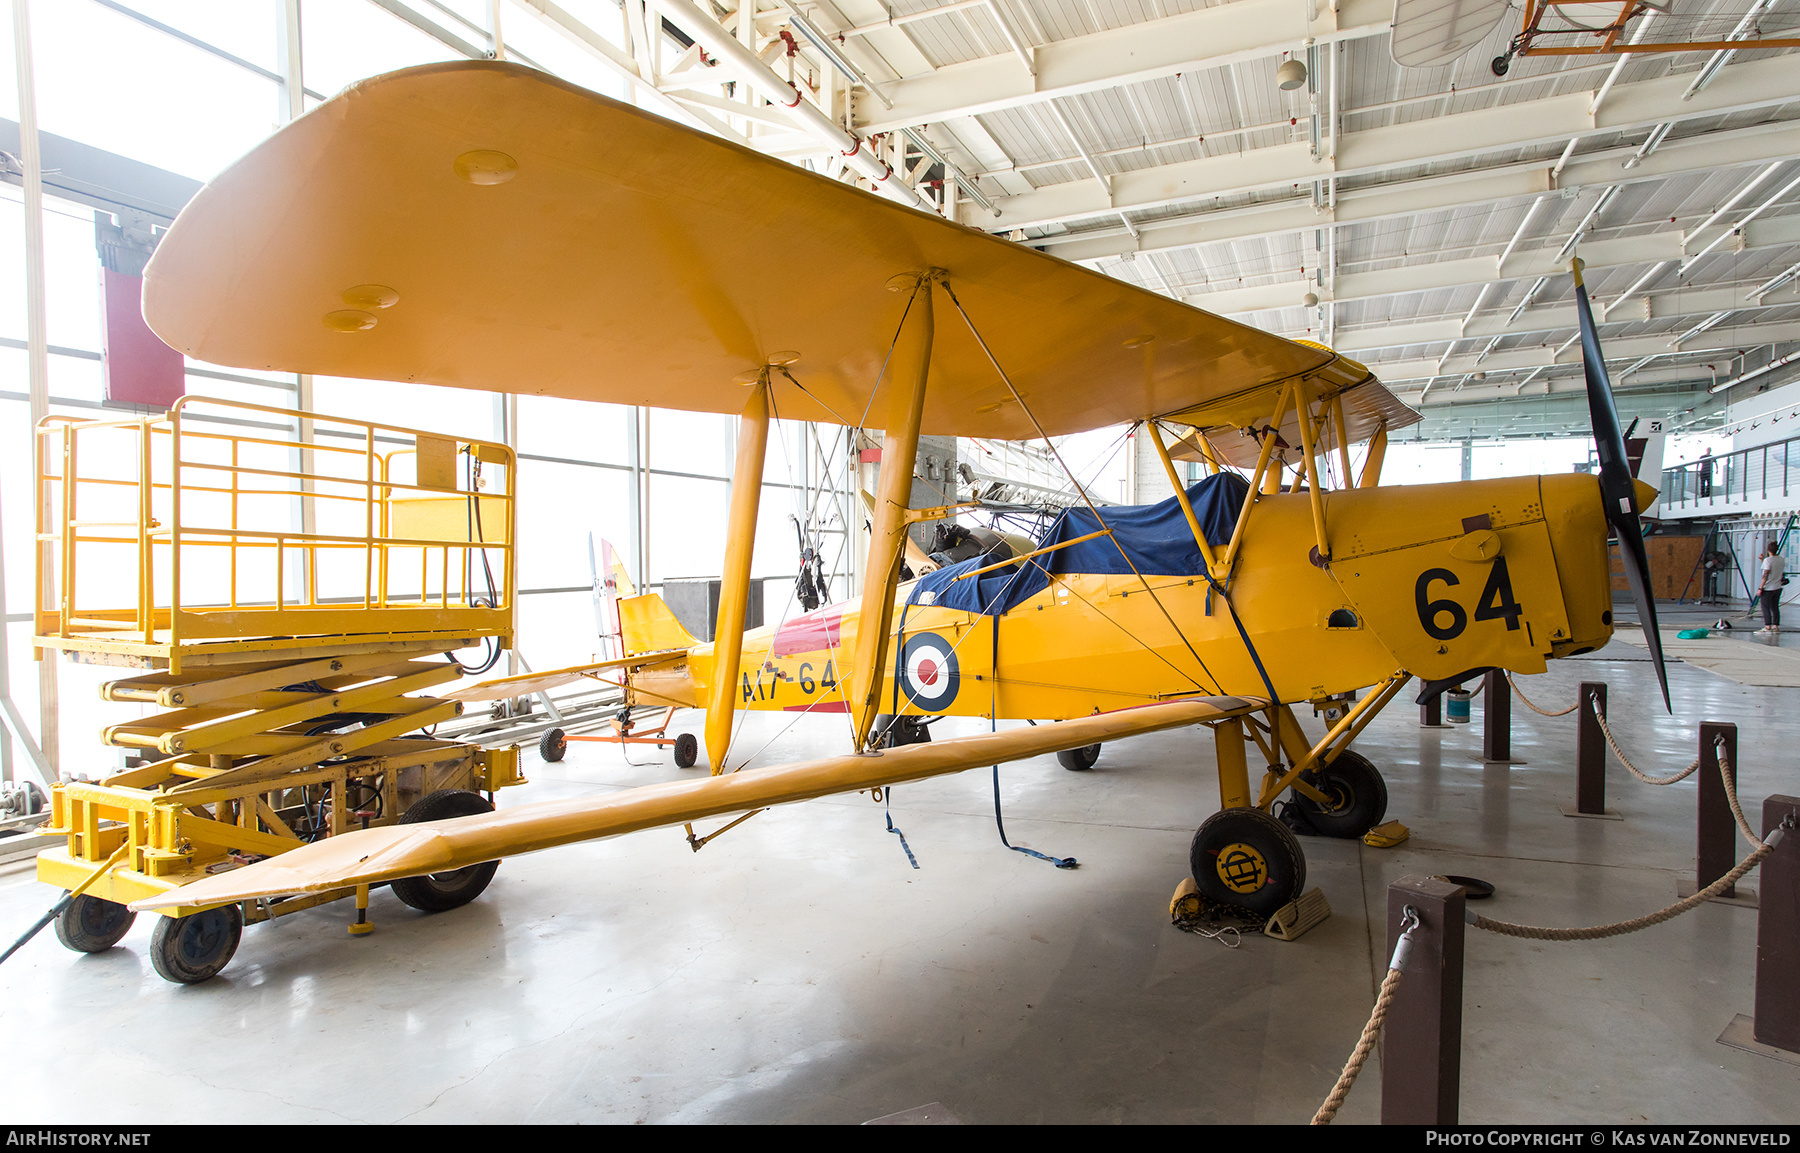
x=798, y=970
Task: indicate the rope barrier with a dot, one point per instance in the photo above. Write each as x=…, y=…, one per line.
x=1366, y=1043
x=1606, y=731
x=1760, y=849
x=1729, y=776
x=1540, y=712
x=1619, y=928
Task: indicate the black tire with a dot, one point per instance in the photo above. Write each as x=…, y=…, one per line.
x=1079, y=760
x=1247, y=858
x=189, y=950
x=891, y=732
x=437, y=892
x=1358, y=795
x=552, y=745
x=1500, y=65
x=92, y=924
x=687, y=751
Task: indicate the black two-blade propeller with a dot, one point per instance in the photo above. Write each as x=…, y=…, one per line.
x=1616, y=488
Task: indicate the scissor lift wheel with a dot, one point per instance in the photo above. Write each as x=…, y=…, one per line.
x=92, y=924
x=191, y=949
x=437, y=892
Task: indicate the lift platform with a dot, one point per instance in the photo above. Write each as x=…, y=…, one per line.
x=288, y=608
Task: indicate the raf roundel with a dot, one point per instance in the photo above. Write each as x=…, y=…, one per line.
x=928, y=672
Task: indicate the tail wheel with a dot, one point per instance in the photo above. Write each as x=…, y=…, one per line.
x=687, y=751
x=1247, y=858
x=192, y=949
x=437, y=892
x=552, y=745
x=1079, y=760
x=1357, y=796
x=92, y=924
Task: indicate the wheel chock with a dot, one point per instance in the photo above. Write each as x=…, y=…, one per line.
x=1386, y=836
x=1299, y=915
x=1186, y=904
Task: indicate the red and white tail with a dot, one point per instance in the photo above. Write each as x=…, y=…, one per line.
x=609, y=577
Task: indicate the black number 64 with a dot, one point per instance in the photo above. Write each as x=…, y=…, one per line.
x=1497, y=602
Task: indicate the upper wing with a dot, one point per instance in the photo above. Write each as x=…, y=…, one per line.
x=500, y=229
x=1228, y=423
x=371, y=856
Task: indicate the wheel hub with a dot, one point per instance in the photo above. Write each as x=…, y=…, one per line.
x=1242, y=868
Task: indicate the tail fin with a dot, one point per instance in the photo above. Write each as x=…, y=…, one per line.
x=608, y=578
x=640, y=624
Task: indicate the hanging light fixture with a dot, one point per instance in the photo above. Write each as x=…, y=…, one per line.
x=1291, y=75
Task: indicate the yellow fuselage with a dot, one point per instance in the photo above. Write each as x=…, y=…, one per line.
x=1433, y=579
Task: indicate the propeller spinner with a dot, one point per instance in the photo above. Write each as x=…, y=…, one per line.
x=1616, y=488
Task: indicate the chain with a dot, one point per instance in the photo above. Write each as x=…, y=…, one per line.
x=1534, y=708
x=1606, y=731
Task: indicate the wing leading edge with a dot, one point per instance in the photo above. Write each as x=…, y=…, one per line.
x=374, y=856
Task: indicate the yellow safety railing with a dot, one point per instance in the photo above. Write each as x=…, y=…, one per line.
x=206, y=524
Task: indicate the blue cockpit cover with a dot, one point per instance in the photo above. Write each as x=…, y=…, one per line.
x=1156, y=537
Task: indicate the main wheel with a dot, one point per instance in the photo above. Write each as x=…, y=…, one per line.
x=93, y=925
x=552, y=745
x=436, y=892
x=192, y=949
x=687, y=751
x=1079, y=760
x=894, y=732
x=1358, y=796
x=1247, y=858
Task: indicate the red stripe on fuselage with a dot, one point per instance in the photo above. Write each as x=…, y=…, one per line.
x=821, y=707
x=814, y=632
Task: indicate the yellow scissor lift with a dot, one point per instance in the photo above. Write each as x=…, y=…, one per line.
x=284, y=601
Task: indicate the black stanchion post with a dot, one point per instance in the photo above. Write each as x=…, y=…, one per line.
x=1590, y=752
x=1777, y=1020
x=1421, y=1044
x=1716, y=843
x=1431, y=713
x=1496, y=718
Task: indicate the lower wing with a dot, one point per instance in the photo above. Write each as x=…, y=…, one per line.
x=374, y=856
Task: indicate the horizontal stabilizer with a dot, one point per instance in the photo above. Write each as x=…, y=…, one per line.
x=525, y=684
x=374, y=856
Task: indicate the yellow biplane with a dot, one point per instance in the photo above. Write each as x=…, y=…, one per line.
x=486, y=226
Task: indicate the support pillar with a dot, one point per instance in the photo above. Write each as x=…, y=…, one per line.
x=905, y=389
x=1421, y=1045
x=1431, y=713
x=1496, y=718
x=734, y=588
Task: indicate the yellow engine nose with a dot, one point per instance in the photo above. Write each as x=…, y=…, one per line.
x=1576, y=519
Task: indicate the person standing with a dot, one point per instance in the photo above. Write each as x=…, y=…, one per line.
x=1774, y=576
